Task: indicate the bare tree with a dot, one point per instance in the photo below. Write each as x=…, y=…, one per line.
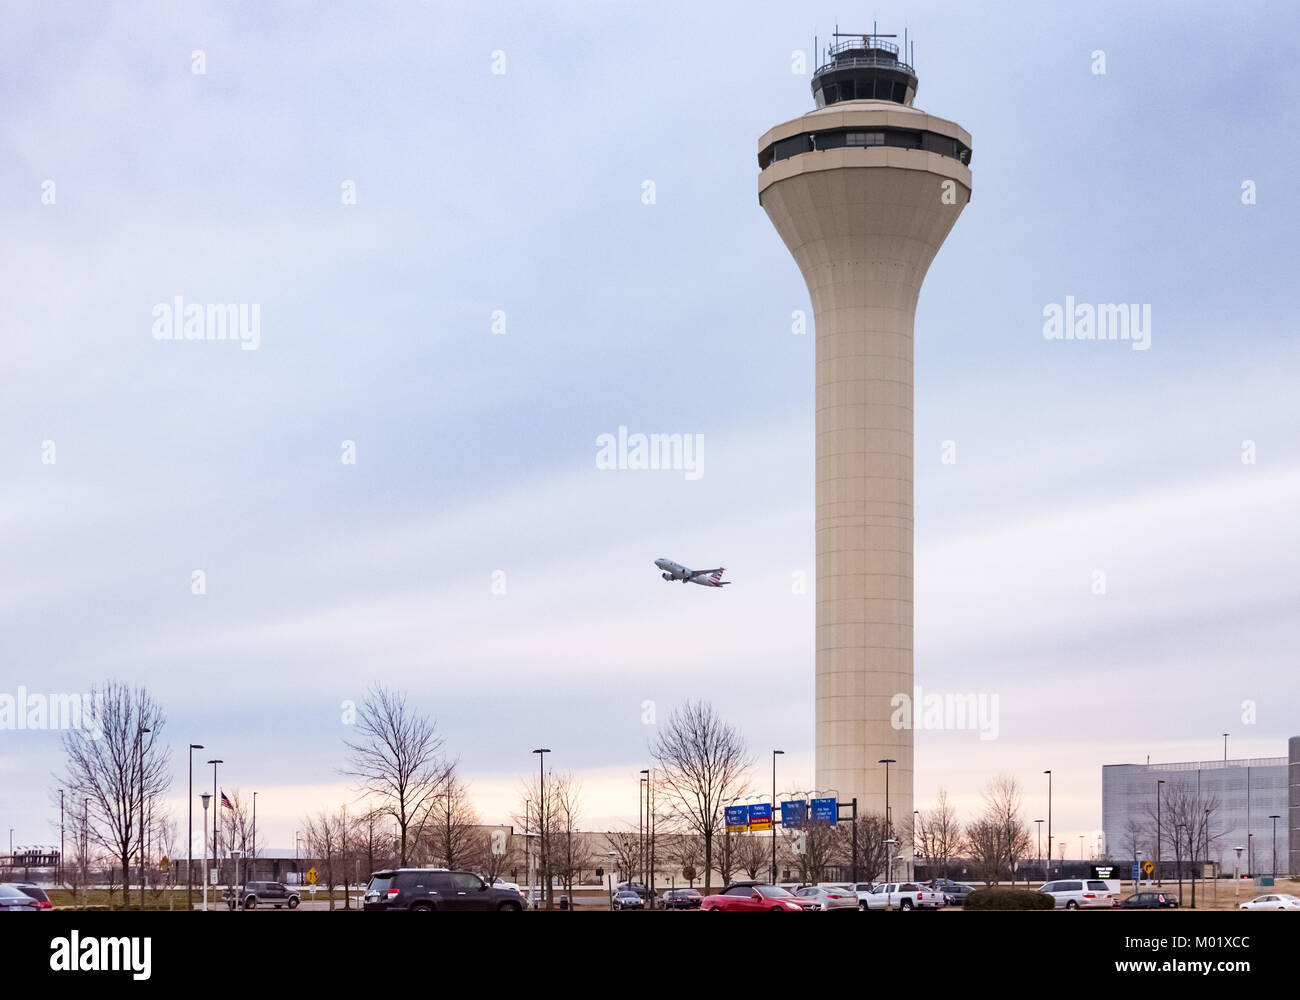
x=702, y=762
x=568, y=851
x=397, y=759
x=451, y=836
x=328, y=837
x=753, y=855
x=937, y=835
x=496, y=852
x=123, y=771
x=686, y=854
x=812, y=847
x=872, y=853
x=627, y=852
x=236, y=826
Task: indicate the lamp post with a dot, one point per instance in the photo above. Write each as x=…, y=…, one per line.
x=1040, y=844
x=775, y=754
x=888, y=825
x=1138, y=861
x=1049, y=823
x=1081, y=850
x=205, y=796
x=541, y=821
x=1250, y=853
x=916, y=823
x=189, y=844
x=640, y=829
x=650, y=835
x=216, y=811
x=61, y=839
x=252, y=874
x=890, y=843
x=139, y=740
x=609, y=878
x=1225, y=747
x=1236, y=873
x=1159, y=881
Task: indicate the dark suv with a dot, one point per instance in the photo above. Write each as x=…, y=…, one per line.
x=436, y=889
x=275, y=894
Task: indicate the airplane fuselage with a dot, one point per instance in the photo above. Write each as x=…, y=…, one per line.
x=673, y=572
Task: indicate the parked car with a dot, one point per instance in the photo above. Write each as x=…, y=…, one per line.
x=954, y=893
x=1273, y=901
x=825, y=898
x=751, y=895
x=1150, y=901
x=36, y=892
x=436, y=889
x=903, y=896
x=681, y=899
x=861, y=890
x=626, y=899
x=640, y=888
x=1080, y=894
x=275, y=894
x=13, y=898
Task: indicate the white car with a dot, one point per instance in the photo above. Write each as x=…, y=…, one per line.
x=1275, y=901
x=902, y=896
x=827, y=897
x=1080, y=894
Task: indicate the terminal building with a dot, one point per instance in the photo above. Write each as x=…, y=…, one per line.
x=1242, y=796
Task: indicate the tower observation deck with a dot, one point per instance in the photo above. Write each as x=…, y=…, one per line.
x=863, y=67
x=863, y=190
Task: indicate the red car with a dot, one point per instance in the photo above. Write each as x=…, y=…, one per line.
x=751, y=896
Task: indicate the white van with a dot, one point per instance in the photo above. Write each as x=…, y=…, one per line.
x=1080, y=894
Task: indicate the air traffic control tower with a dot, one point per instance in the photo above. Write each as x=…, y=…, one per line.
x=863, y=190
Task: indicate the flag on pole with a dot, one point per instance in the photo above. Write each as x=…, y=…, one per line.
x=226, y=802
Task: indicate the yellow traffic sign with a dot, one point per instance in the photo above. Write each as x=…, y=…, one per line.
x=312, y=876
x=1148, y=867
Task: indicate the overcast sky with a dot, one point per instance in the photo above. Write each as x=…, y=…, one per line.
x=521, y=193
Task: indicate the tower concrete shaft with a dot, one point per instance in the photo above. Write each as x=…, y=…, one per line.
x=864, y=192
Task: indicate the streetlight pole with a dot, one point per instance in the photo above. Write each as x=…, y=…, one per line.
x=205, y=798
x=189, y=848
x=1049, y=824
x=216, y=811
x=1040, y=844
x=650, y=837
x=61, y=848
x=775, y=754
x=888, y=824
x=1225, y=747
x=1159, y=881
x=541, y=820
x=139, y=739
x=1275, y=819
x=253, y=876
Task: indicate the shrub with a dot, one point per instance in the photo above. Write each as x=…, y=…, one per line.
x=1009, y=899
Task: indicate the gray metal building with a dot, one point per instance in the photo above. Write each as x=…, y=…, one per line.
x=1242, y=796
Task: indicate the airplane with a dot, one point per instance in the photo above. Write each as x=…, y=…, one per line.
x=704, y=577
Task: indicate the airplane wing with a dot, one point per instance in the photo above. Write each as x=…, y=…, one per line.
x=707, y=572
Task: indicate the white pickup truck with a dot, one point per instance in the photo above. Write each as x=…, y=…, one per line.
x=902, y=896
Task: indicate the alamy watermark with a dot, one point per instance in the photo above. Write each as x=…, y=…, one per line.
x=951, y=711
x=36, y=710
x=1104, y=321
x=178, y=320
x=675, y=452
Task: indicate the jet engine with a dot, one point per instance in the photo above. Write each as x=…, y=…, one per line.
x=668, y=576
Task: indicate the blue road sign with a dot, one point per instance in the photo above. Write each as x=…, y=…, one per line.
x=737, y=819
x=794, y=814
x=825, y=811
x=760, y=816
